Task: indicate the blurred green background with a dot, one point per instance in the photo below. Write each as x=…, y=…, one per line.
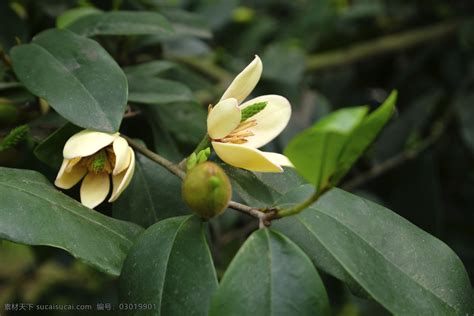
x=322, y=55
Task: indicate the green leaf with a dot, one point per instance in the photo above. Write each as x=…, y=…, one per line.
x=364, y=135
x=170, y=266
x=121, y=23
x=72, y=15
x=315, y=151
x=76, y=76
x=261, y=189
x=163, y=142
x=149, y=90
x=324, y=153
x=148, y=69
x=400, y=266
x=153, y=194
x=50, y=150
x=270, y=275
x=187, y=23
x=33, y=212
x=185, y=121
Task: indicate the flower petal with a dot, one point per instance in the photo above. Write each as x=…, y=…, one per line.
x=245, y=157
x=278, y=159
x=245, y=81
x=67, y=179
x=122, y=155
x=270, y=121
x=87, y=142
x=94, y=189
x=223, y=118
x=122, y=180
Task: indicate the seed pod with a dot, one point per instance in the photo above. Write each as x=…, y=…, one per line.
x=207, y=190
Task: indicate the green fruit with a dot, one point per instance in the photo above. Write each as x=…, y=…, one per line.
x=207, y=190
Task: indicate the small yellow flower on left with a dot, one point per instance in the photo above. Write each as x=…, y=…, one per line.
x=96, y=156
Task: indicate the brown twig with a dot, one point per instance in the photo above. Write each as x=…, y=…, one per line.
x=156, y=158
x=264, y=217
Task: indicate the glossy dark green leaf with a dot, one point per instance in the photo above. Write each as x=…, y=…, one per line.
x=185, y=121
x=153, y=194
x=170, y=266
x=148, y=69
x=270, y=275
x=262, y=189
x=70, y=16
x=400, y=266
x=164, y=143
x=149, y=90
x=188, y=23
x=364, y=135
x=33, y=212
x=324, y=153
x=121, y=23
x=76, y=76
x=50, y=150
x=315, y=151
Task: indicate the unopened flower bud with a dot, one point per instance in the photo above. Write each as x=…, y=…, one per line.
x=207, y=190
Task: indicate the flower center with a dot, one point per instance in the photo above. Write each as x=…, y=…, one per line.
x=102, y=161
x=240, y=133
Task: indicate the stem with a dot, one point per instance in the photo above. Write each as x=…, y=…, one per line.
x=203, y=144
x=252, y=211
x=264, y=218
x=381, y=45
x=156, y=158
x=303, y=205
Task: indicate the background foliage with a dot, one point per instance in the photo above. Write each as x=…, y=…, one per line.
x=323, y=55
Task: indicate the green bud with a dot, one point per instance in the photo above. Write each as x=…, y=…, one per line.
x=201, y=157
x=207, y=190
x=191, y=162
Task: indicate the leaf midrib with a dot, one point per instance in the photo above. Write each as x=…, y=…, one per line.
x=75, y=78
x=148, y=193
x=160, y=298
x=354, y=276
x=68, y=209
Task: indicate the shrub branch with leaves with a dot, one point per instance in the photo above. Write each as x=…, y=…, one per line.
x=151, y=241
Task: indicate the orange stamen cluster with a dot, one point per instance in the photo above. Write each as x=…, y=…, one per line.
x=240, y=133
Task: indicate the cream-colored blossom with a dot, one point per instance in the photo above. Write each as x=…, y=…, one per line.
x=95, y=156
x=236, y=141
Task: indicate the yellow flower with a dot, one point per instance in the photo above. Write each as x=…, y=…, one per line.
x=96, y=155
x=234, y=137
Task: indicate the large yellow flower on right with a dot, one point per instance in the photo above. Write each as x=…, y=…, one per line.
x=235, y=137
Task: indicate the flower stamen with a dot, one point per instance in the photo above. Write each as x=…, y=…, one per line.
x=102, y=161
x=239, y=134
